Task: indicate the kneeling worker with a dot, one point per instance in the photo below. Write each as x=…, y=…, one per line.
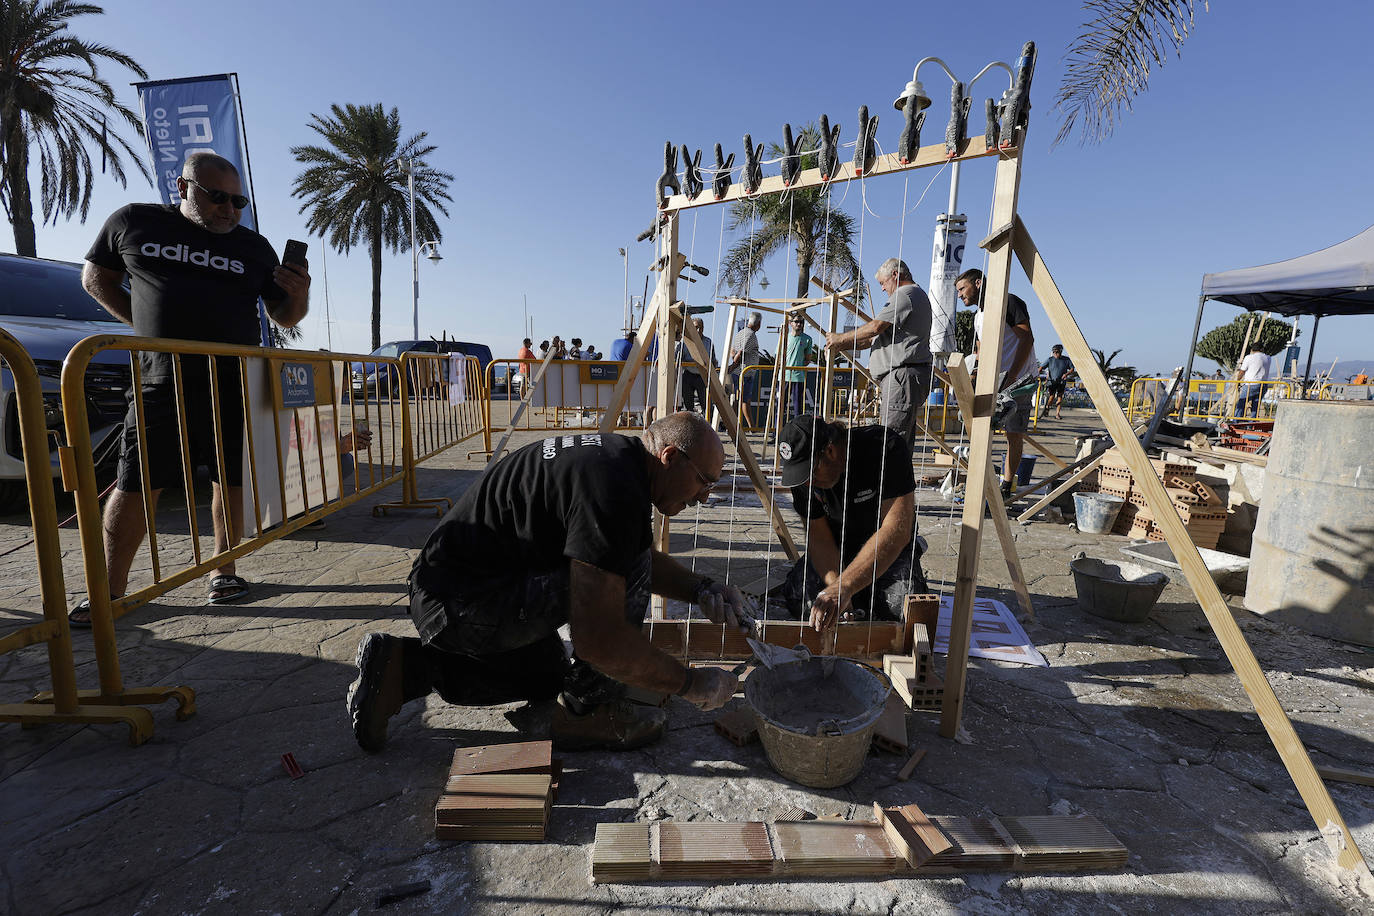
x=855, y=491
x=558, y=532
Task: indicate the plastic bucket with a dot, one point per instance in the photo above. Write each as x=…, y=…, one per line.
x=1025, y=469
x=937, y=397
x=1096, y=512
x=816, y=730
x=1116, y=591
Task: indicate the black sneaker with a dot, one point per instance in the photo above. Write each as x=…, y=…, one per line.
x=615, y=726
x=377, y=694
x=1008, y=487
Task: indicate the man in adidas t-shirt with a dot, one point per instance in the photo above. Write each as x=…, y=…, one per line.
x=194, y=274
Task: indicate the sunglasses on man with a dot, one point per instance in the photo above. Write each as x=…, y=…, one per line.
x=218, y=197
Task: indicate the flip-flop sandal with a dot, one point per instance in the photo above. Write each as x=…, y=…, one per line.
x=233, y=588
x=84, y=608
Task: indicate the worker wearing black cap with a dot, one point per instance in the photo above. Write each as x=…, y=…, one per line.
x=854, y=489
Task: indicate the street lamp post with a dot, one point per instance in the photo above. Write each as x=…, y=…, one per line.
x=432, y=246
x=626, y=255
x=950, y=226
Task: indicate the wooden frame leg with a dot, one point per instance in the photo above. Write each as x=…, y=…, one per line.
x=1276, y=722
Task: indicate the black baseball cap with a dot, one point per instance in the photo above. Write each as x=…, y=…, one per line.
x=798, y=444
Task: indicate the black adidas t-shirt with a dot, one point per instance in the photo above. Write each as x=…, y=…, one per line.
x=879, y=459
x=186, y=282
x=575, y=497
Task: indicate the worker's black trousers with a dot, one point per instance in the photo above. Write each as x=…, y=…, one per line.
x=498, y=642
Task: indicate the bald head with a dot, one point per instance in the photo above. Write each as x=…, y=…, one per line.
x=685, y=430
x=198, y=164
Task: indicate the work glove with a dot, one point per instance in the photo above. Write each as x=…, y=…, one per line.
x=711, y=688
x=724, y=603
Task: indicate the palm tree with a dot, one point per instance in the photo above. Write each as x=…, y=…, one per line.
x=52, y=97
x=355, y=187
x=821, y=233
x=1109, y=63
x=1124, y=375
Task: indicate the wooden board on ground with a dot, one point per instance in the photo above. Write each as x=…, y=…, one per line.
x=911, y=833
x=824, y=848
x=516, y=757
x=621, y=852
x=505, y=798
x=704, y=849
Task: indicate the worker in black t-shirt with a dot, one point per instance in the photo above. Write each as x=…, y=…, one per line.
x=854, y=489
x=557, y=533
x=195, y=274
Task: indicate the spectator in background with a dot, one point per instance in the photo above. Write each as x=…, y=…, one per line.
x=200, y=298
x=744, y=352
x=620, y=350
x=1253, y=370
x=560, y=349
x=543, y=349
x=575, y=351
x=1058, y=370
x=801, y=350
x=525, y=351
x=693, y=382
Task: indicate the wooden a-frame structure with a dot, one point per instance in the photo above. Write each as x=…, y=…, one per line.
x=1009, y=239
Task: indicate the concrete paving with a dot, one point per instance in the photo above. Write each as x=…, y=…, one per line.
x=1142, y=725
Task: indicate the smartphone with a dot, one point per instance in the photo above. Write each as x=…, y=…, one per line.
x=294, y=252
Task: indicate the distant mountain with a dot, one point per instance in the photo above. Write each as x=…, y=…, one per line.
x=1344, y=368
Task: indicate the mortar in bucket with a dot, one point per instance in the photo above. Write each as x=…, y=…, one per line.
x=1095, y=513
x=816, y=728
x=1116, y=591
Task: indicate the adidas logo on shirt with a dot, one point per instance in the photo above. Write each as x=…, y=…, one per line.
x=185, y=255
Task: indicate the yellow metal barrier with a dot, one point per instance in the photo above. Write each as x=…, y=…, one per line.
x=1207, y=399
x=301, y=471
x=439, y=410
x=64, y=702
x=572, y=394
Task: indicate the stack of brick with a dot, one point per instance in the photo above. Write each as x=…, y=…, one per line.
x=498, y=793
x=1196, y=504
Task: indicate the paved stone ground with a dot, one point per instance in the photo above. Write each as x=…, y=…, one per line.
x=1144, y=726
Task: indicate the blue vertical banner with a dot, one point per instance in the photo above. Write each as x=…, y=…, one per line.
x=194, y=114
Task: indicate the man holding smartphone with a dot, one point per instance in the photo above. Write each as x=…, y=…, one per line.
x=196, y=274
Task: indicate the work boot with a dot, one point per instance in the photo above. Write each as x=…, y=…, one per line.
x=385, y=682
x=615, y=726
x=1008, y=487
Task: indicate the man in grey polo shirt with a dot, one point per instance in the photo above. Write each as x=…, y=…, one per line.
x=900, y=337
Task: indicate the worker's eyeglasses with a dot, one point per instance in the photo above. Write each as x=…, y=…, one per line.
x=218, y=197
x=706, y=482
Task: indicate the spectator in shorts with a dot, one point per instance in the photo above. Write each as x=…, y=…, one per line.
x=1058, y=370
x=194, y=274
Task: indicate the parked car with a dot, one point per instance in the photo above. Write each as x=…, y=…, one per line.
x=379, y=380
x=45, y=308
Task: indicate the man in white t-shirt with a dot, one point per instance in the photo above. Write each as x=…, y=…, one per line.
x=1253, y=370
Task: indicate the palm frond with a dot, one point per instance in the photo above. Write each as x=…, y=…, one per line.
x=1109, y=63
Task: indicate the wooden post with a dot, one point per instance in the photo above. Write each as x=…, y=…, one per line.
x=963, y=392
x=829, y=382
x=762, y=487
x=1005, y=190
x=1271, y=715
x=634, y=364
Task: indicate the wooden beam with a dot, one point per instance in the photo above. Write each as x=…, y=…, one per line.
x=1046, y=452
x=972, y=148
x=762, y=487
x=1341, y=774
x=1005, y=190
x=634, y=364
x=520, y=408
x=1063, y=488
x=963, y=393
x=1290, y=748
x=846, y=302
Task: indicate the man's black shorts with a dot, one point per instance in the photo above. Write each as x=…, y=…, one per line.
x=164, y=433
x=1055, y=389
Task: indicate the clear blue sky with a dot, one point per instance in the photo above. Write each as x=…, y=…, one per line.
x=1253, y=147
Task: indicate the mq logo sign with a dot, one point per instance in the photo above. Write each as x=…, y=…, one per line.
x=297, y=385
